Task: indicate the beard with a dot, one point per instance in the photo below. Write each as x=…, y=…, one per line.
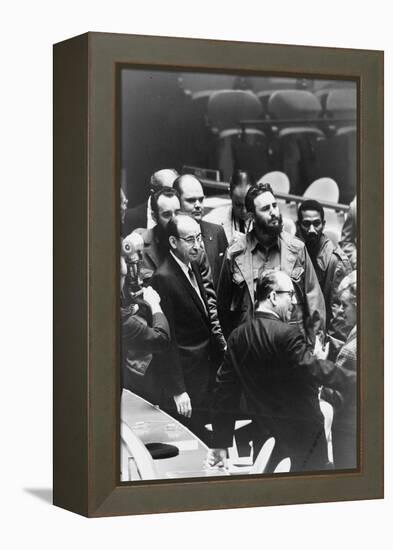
x=266, y=227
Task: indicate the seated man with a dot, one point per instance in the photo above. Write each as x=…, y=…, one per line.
x=268, y=360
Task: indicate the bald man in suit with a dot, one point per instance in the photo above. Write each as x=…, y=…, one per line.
x=188, y=370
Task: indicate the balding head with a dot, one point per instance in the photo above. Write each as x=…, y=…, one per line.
x=162, y=178
x=184, y=236
x=275, y=293
x=191, y=195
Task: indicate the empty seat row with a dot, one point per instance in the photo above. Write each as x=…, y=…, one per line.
x=293, y=140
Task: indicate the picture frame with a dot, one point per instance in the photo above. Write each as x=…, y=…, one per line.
x=86, y=275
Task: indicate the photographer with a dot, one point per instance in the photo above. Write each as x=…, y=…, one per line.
x=144, y=328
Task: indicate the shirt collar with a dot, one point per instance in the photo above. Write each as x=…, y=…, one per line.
x=262, y=309
x=182, y=265
x=255, y=244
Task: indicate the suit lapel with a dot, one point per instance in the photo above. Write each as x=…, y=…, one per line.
x=187, y=286
x=201, y=288
x=207, y=240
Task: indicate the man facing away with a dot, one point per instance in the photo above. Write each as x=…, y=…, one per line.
x=330, y=263
x=188, y=370
x=191, y=203
x=268, y=359
x=266, y=247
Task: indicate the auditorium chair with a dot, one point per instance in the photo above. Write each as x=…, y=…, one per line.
x=295, y=113
x=136, y=461
x=337, y=155
x=260, y=463
x=237, y=149
x=278, y=181
x=283, y=466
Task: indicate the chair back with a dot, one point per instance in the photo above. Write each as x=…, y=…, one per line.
x=341, y=103
x=227, y=107
x=323, y=189
x=278, y=181
x=263, y=457
x=301, y=104
x=283, y=466
x=203, y=82
x=132, y=445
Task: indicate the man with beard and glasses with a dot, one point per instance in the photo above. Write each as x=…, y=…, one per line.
x=330, y=263
x=268, y=247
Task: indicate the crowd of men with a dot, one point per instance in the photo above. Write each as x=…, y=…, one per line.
x=241, y=319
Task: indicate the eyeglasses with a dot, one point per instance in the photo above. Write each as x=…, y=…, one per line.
x=191, y=240
x=307, y=224
x=290, y=292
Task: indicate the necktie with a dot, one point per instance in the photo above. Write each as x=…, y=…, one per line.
x=196, y=287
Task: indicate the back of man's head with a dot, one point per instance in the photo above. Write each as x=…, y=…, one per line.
x=183, y=180
x=162, y=178
x=267, y=282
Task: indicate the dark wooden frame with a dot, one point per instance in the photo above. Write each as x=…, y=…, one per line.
x=86, y=230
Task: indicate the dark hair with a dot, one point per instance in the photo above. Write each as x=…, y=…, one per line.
x=266, y=282
x=178, y=181
x=166, y=192
x=239, y=178
x=254, y=192
x=173, y=224
x=310, y=204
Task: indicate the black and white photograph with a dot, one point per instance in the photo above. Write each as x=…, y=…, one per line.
x=238, y=273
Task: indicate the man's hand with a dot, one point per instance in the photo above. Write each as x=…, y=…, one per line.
x=216, y=458
x=152, y=298
x=183, y=404
x=320, y=352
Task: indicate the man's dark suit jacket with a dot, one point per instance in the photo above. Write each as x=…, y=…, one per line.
x=215, y=243
x=268, y=360
x=155, y=252
x=139, y=341
x=194, y=340
x=134, y=218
